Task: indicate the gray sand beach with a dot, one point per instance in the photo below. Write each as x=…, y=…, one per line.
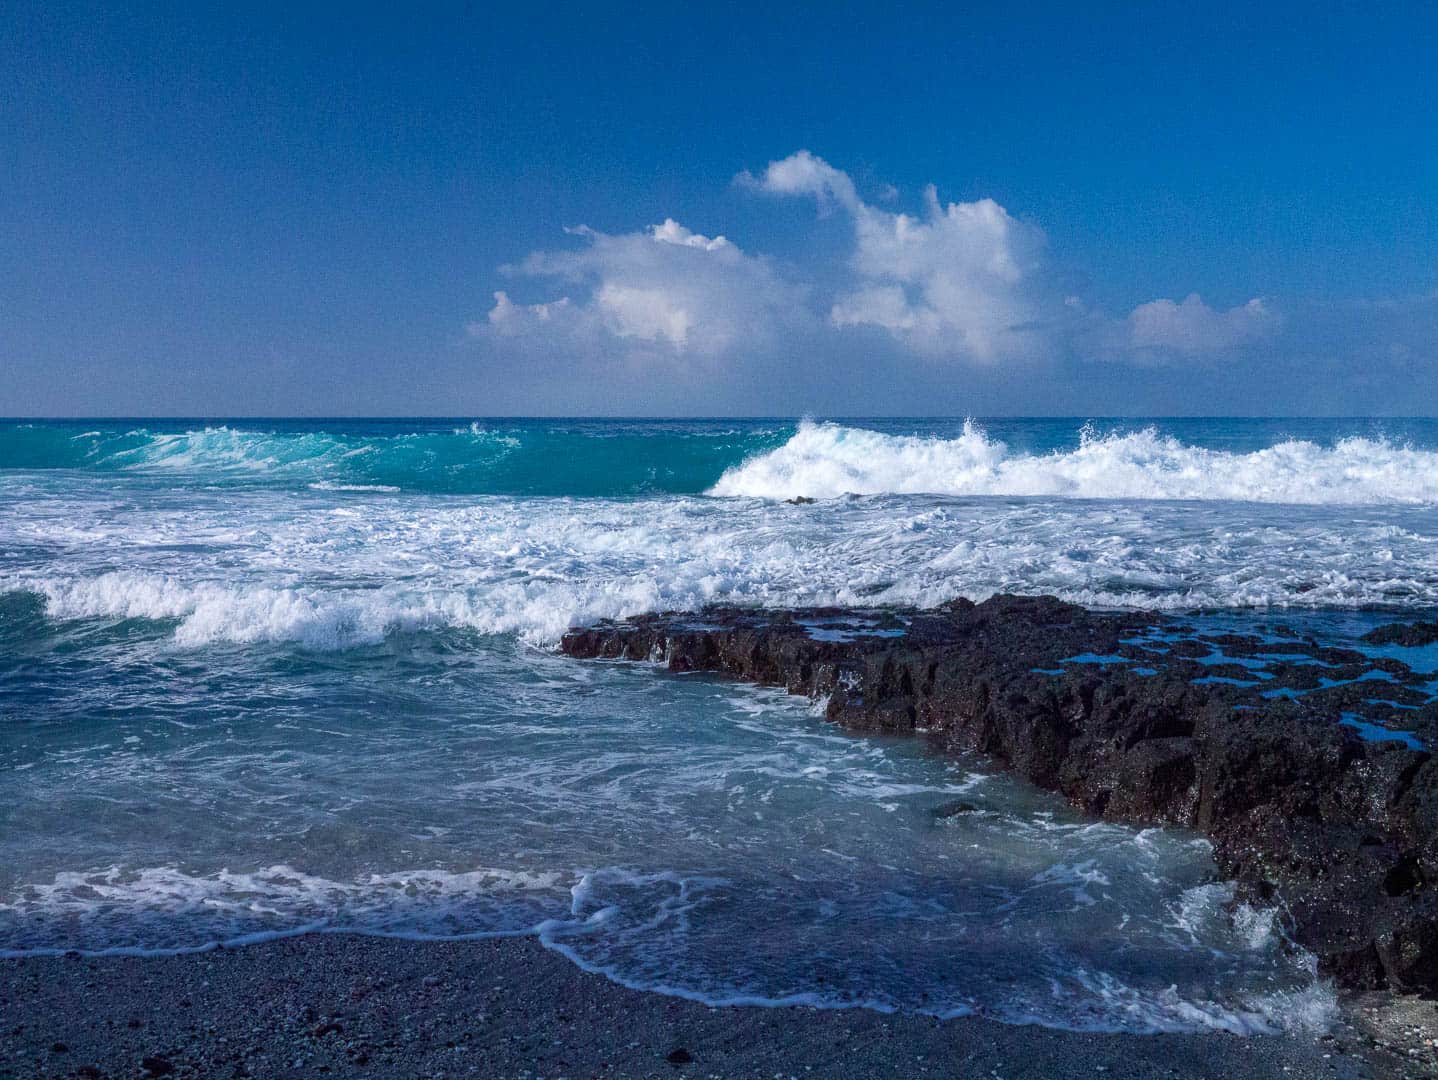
x=343, y=1005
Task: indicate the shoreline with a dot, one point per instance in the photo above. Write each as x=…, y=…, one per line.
x=348, y=1004
x=1141, y=719
x=351, y=1005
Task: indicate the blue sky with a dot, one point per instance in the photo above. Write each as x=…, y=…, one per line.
x=1137, y=209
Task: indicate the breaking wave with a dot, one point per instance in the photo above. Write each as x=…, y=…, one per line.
x=207, y=613
x=257, y=569
x=586, y=459
x=823, y=461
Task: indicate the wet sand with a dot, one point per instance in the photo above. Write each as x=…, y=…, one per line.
x=342, y=1005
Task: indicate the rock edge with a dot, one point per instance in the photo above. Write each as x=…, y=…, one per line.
x=1104, y=709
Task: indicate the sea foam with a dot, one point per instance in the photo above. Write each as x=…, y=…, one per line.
x=267, y=568
x=823, y=461
x=639, y=929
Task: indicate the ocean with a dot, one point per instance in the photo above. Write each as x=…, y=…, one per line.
x=264, y=677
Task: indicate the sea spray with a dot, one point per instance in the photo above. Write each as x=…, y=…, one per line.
x=769, y=459
x=336, y=569
x=824, y=461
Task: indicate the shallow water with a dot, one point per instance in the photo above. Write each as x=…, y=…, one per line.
x=262, y=678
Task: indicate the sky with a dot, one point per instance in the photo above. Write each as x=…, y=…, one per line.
x=1136, y=209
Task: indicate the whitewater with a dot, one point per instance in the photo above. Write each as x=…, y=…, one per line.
x=261, y=678
x=1252, y=461
x=828, y=460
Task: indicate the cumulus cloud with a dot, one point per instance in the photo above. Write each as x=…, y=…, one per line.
x=966, y=282
x=803, y=173
x=1193, y=328
x=666, y=288
x=962, y=280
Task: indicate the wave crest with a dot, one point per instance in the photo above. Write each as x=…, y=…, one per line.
x=824, y=461
x=515, y=459
x=210, y=613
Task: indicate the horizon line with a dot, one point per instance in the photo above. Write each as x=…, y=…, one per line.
x=697, y=418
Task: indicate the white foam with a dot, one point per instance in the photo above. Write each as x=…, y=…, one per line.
x=165, y=911
x=210, y=612
x=1309, y=1010
x=224, y=448
x=272, y=566
x=171, y=890
x=326, y=485
x=174, y=911
x=824, y=461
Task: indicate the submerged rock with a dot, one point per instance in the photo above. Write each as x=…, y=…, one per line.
x=1136, y=718
x=953, y=809
x=1409, y=635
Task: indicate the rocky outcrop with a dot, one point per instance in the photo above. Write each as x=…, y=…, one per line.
x=1307, y=766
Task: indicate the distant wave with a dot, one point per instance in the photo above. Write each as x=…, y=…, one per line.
x=814, y=460
x=323, y=552
x=476, y=459
x=824, y=461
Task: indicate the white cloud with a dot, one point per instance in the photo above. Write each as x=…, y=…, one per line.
x=665, y=288
x=1193, y=328
x=671, y=232
x=963, y=280
x=876, y=305
x=648, y=314
x=960, y=281
x=803, y=173
x=508, y=316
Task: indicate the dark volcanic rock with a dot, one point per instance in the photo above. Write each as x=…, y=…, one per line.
x=1410, y=635
x=953, y=809
x=1135, y=718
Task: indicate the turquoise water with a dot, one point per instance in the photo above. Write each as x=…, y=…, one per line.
x=587, y=458
x=272, y=677
x=579, y=458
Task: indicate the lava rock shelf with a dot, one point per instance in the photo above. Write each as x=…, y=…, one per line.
x=1307, y=766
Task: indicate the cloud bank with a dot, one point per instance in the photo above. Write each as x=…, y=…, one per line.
x=1193, y=328
x=966, y=286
